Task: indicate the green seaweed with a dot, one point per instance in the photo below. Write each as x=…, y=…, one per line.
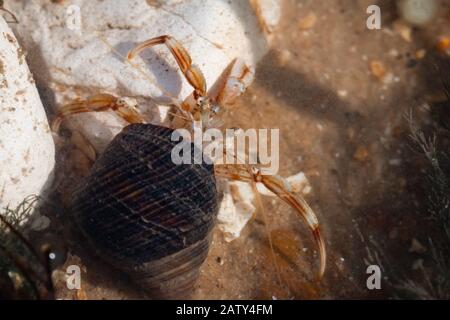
x=24, y=273
x=438, y=285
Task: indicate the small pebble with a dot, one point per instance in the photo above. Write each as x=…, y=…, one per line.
x=388, y=79
x=307, y=22
x=395, y=162
x=420, y=54
x=417, y=247
x=284, y=56
x=378, y=69
x=342, y=93
x=393, y=53
x=443, y=44
x=361, y=154
x=403, y=30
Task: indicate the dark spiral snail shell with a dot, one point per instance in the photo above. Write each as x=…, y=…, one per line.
x=147, y=216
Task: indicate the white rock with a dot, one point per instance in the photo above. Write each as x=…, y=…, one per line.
x=213, y=31
x=26, y=145
x=237, y=207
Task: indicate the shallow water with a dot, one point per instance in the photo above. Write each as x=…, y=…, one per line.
x=347, y=130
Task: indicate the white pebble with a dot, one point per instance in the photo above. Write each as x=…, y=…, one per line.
x=342, y=93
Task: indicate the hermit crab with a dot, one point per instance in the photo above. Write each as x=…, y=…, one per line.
x=153, y=218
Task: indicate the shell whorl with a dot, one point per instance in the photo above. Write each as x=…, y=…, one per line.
x=146, y=215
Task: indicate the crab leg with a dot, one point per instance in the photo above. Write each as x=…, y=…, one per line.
x=236, y=78
x=256, y=5
x=98, y=103
x=192, y=73
x=9, y=12
x=281, y=188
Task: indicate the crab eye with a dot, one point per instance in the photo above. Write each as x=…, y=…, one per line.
x=215, y=109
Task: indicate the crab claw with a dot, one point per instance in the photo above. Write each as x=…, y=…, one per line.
x=281, y=188
x=99, y=103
